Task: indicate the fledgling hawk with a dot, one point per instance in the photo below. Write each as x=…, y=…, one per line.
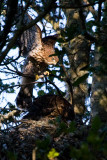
x=50, y=106
x=37, y=51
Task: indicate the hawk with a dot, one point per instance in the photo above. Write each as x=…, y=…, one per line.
x=37, y=51
x=50, y=106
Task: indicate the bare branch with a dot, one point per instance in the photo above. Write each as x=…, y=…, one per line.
x=68, y=6
x=6, y=63
x=7, y=116
x=99, y=12
x=11, y=11
x=58, y=90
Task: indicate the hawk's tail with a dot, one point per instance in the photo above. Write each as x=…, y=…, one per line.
x=23, y=100
x=24, y=97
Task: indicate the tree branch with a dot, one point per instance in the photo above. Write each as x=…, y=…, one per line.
x=7, y=116
x=58, y=90
x=79, y=6
x=99, y=12
x=11, y=11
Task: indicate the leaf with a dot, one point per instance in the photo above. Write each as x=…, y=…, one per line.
x=81, y=79
x=10, y=90
x=96, y=124
x=40, y=85
x=41, y=93
x=59, y=52
x=54, y=72
x=55, y=54
x=66, y=63
x=62, y=128
x=72, y=127
x=11, y=155
x=94, y=137
x=43, y=144
x=52, y=154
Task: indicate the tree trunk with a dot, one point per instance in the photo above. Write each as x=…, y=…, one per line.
x=78, y=53
x=99, y=93
x=99, y=85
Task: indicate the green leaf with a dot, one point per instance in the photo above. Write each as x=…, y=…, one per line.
x=59, y=52
x=72, y=127
x=40, y=85
x=11, y=155
x=10, y=90
x=94, y=137
x=52, y=154
x=62, y=128
x=41, y=93
x=81, y=79
x=96, y=124
x=55, y=54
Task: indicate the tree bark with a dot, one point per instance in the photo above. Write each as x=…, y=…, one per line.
x=99, y=84
x=78, y=53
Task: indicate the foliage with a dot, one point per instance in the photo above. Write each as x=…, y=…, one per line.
x=81, y=79
x=68, y=141
x=52, y=154
x=43, y=147
x=11, y=156
x=93, y=146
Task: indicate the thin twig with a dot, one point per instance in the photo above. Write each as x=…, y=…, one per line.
x=6, y=63
x=99, y=11
x=58, y=90
x=8, y=115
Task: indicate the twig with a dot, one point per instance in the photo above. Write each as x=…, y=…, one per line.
x=99, y=12
x=34, y=153
x=8, y=115
x=9, y=78
x=6, y=63
x=58, y=90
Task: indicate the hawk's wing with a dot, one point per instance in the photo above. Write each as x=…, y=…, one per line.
x=31, y=38
x=37, y=51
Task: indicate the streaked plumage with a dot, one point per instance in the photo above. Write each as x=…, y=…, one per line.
x=51, y=106
x=37, y=51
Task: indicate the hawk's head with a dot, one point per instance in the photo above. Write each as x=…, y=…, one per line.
x=48, y=45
